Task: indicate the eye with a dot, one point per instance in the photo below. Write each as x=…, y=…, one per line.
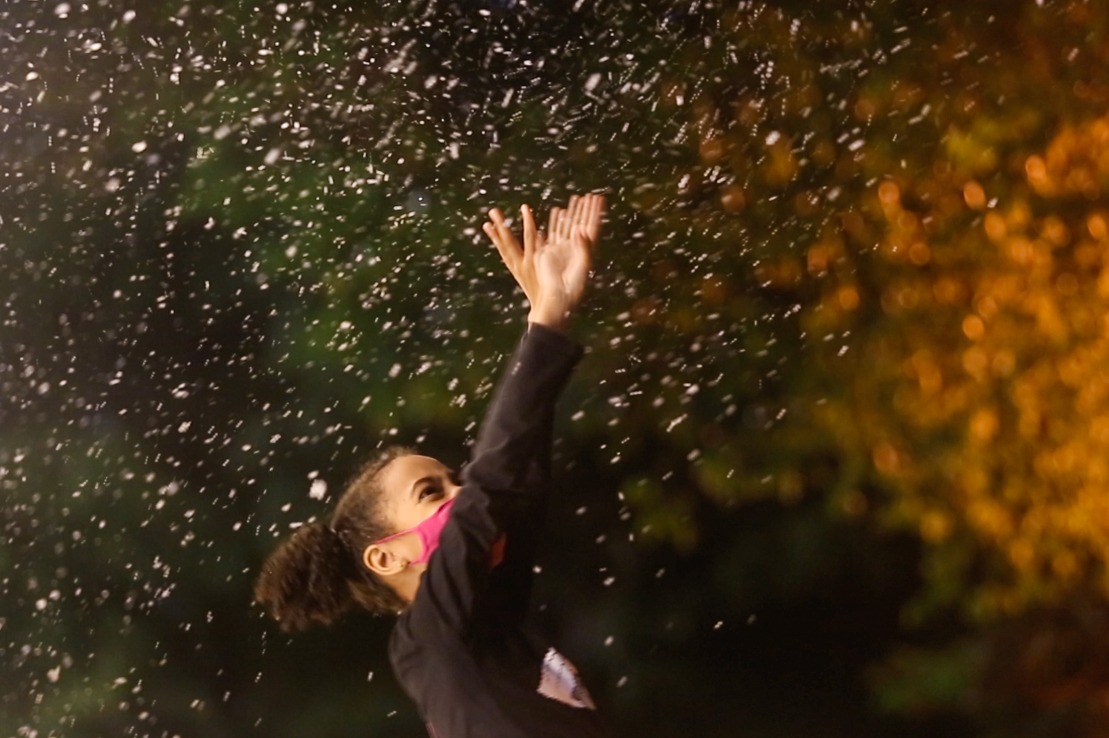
x=428, y=490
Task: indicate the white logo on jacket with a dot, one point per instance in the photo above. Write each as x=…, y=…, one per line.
x=559, y=681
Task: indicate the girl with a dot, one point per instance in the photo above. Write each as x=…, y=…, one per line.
x=453, y=558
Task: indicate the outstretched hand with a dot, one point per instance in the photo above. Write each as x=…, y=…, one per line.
x=552, y=269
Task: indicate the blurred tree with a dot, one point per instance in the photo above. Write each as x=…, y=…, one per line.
x=980, y=393
x=952, y=299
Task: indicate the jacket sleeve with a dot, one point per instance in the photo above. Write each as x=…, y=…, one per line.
x=504, y=489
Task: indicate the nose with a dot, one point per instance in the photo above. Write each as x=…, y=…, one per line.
x=453, y=489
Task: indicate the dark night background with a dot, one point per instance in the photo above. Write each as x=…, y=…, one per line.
x=835, y=463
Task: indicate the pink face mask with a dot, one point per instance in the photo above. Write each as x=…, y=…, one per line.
x=428, y=531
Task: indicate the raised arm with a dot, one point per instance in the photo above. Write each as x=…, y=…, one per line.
x=508, y=470
x=553, y=271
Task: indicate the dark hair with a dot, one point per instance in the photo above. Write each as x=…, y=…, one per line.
x=316, y=575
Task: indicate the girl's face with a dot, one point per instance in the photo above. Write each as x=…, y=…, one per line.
x=414, y=487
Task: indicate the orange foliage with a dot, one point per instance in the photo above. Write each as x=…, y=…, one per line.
x=998, y=433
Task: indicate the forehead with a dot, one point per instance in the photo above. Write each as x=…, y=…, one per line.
x=402, y=472
x=402, y=508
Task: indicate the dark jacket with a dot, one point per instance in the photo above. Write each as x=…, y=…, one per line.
x=463, y=649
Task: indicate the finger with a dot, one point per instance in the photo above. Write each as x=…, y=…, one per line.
x=507, y=255
x=582, y=218
x=529, y=230
x=587, y=218
x=566, y=222
x=505, y=232
x=596, y=213
x=585, y=215
x=584, y=208
x=575, y=214
x=505, y=241
x=490, y=230
x=552, y=224
x=590, y=221
x=576, y=203
x=497, y=217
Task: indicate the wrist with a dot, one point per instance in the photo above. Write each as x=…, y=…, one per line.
x=553, y=317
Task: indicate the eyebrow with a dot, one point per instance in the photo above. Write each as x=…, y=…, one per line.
x=421, y=481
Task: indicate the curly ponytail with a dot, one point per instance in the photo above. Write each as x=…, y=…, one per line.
x=316, y=575
x=305, y=581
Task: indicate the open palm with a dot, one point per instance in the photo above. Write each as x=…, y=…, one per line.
x=552, y=269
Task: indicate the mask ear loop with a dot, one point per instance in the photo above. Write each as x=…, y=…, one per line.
x=428, y=532
x=391, y=536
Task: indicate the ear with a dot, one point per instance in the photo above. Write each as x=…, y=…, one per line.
x=382, y=561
